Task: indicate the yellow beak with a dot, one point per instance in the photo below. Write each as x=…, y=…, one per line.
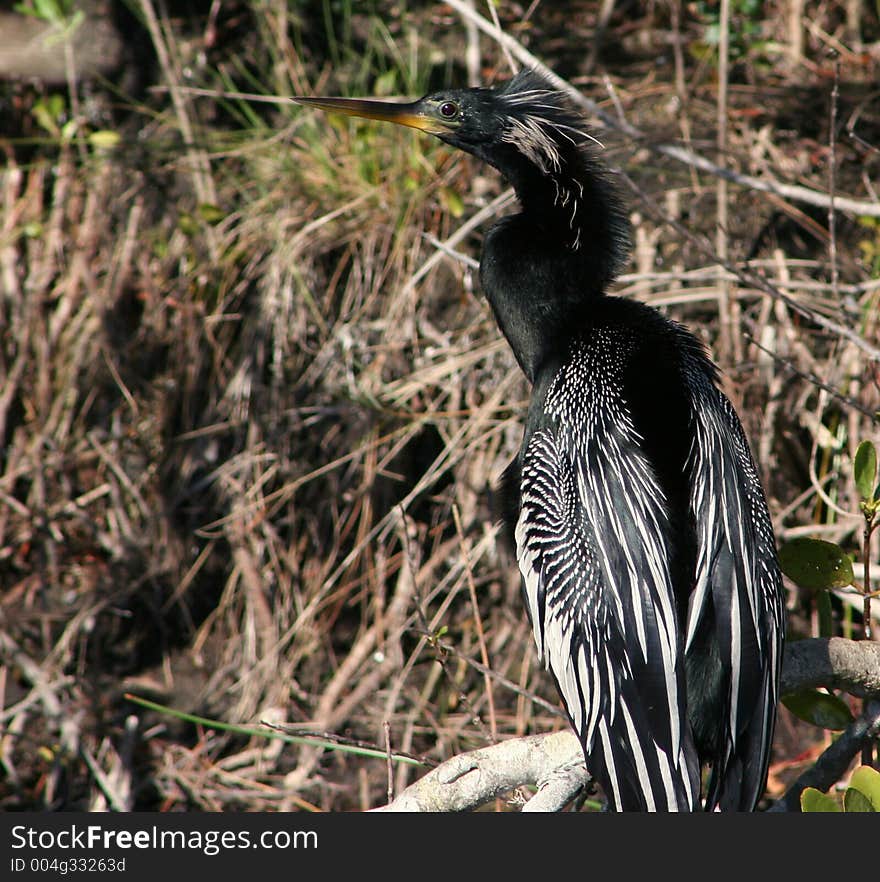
x=407, y=114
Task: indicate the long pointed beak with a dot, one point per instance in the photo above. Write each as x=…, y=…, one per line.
x=407, y=114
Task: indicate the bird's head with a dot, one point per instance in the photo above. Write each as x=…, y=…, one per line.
x=537, y=139
x=524, y=121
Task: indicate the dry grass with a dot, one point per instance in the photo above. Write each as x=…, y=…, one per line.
x=252, y=416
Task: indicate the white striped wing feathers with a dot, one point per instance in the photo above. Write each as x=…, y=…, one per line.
x=591, y=548
x=738, y=574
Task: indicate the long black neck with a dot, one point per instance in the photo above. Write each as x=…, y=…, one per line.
x=542, y=268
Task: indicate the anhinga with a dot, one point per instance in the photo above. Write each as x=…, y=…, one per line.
x=642, y=533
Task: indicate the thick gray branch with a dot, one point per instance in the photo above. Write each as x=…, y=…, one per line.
x=850, y=665
x=554, y=762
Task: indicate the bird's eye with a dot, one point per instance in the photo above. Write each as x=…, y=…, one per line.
x=448, y=109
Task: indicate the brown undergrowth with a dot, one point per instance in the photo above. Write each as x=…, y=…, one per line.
x=252, y=415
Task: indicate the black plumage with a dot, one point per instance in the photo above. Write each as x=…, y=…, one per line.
x=641, y=529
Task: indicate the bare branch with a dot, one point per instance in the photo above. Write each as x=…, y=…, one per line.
x=836, y=663
x=554, y=763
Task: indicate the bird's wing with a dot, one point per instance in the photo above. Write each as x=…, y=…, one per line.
x=738, y=591
x=592, y=548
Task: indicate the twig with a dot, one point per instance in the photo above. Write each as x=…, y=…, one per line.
x=448, y=649
x=488, y=212
x=728, y=340
x=832, y=181
x=302, y=731
x=389, y=759
x=472, y=51
x=606, y=10
x=811, y=378
x=870, y=526
x=481, y=637
x=495, y=20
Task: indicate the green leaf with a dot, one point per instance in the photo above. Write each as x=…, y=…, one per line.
x=211, y=214
x=188, y=224
x=867, y=782
x=451, y=201
x=865, y=469
x=68, y=130
x=47, y=10
x=856, y=801
x=813, y=800
x=815, y=564
x=386, y=83
x=48, y=112
x=819, y=708
x=104, y=139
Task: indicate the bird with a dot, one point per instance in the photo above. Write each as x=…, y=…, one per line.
x=640, y=524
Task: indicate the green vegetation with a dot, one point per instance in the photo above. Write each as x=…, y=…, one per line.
x=862, y=795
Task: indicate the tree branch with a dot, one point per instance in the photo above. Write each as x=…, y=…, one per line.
x=553, y=762
x=836, y=663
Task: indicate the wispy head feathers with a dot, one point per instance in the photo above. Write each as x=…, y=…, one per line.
x=541, y=121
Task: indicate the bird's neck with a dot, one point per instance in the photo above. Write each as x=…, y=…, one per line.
x=541, y=269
